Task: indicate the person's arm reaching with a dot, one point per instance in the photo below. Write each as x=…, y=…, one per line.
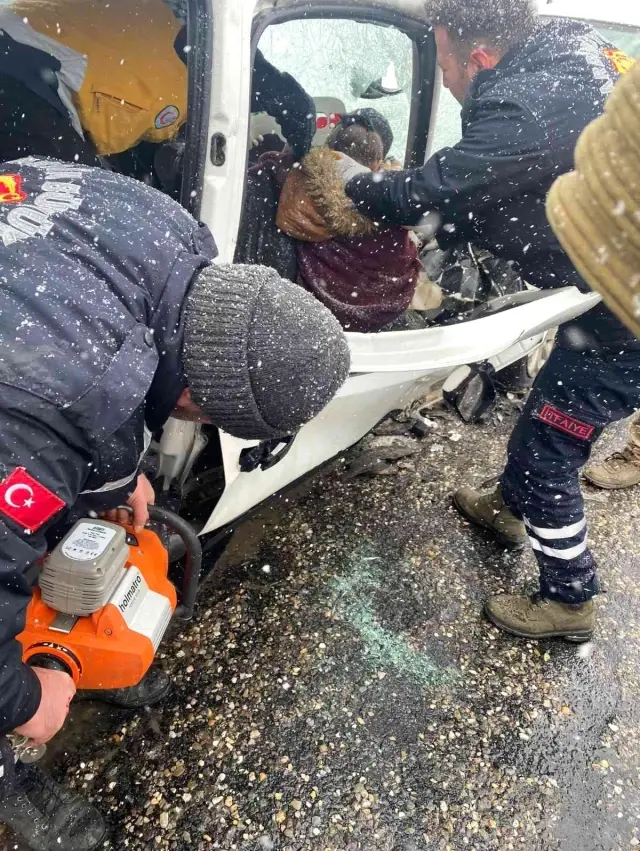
x=284, y=99
x=40, y=475
x=502, y=152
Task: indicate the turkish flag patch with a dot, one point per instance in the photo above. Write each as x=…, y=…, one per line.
x=26, y=501
x=563, y=422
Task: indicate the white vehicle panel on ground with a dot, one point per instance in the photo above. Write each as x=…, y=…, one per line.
x=400, y=369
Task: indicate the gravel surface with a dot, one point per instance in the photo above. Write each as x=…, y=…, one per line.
x=339, y=689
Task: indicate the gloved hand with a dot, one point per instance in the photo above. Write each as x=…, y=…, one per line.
x=347, y=168
x=428, y=226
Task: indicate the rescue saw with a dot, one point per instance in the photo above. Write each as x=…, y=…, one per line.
x=104, y=600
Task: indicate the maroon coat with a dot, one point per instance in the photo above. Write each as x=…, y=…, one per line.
x=367, y=281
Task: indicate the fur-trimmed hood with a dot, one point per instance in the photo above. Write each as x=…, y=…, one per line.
x=314, y=206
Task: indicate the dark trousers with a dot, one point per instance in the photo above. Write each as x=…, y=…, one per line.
x=575, y=396
x=7, y=767
x=33, y=127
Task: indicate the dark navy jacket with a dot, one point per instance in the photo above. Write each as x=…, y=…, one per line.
x=520, y=122
x=94, y=270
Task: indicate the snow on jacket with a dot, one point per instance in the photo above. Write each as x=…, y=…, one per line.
x=521, y=121
x=94, y=271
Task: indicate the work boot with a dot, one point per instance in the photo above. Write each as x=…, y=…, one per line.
x=150, y=690
x=489, y=511
x=620, y=470
x=535, y=617
x=48, y=817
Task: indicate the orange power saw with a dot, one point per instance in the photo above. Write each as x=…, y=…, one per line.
x=104, y=600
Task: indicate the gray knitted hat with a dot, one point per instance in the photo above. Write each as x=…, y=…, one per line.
x=261, y=355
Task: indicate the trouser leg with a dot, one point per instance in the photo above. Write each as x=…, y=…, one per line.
x=7, y=767
x=575, y=397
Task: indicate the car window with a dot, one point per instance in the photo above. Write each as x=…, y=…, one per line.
x=356, y=64
x=448, y=129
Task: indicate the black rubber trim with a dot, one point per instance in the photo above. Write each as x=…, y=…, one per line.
x=200, y=26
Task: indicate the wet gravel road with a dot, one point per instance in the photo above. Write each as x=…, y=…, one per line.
x=339, y=689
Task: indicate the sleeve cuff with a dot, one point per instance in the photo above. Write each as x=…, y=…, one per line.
x=24, y=702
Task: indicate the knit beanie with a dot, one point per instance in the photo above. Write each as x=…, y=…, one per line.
x=595, y=210
x=261, y=356
x=374, y=121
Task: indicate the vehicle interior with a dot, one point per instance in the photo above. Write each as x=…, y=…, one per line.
x=372, y=63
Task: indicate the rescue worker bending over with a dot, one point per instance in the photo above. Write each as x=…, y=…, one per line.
x=111, y=319
x=527, y=91
x=118, y=70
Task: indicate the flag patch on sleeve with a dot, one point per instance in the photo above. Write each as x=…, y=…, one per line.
x=25, y=501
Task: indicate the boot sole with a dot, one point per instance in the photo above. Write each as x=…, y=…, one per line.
x=96, y=844
x=502, y=540
x=578, y=637
x=604, y=487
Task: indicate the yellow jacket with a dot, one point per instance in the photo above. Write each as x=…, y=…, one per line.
x=135, y=84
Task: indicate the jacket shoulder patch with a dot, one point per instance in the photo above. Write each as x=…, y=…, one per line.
x=619, y=60
x=11, y=191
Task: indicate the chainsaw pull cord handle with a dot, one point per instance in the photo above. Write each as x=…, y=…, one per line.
x=193, y=547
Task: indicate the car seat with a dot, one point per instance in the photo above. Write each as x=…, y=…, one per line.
x=328, y=113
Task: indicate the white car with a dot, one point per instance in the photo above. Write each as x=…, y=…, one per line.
x=336, y=51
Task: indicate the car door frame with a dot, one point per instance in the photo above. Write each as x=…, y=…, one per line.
x=424, y=57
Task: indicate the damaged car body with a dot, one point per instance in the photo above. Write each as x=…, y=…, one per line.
x=489, y=320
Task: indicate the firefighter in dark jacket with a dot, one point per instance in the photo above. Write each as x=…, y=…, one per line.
x=112, y=318
x=527, y=91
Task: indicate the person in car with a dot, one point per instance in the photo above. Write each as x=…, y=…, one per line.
x=527, y=91
x=113, y=318
x=117, y=72
x=364, y=274
x=603, y=238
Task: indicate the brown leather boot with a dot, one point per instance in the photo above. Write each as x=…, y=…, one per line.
x=535, y=617
x=620, y=470
x=489, y=511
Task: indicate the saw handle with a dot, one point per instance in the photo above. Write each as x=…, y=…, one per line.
x=193, y=548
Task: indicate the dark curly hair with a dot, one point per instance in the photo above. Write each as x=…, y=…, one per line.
x=500, y=24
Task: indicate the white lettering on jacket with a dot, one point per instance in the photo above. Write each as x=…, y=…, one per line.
x=34, y=216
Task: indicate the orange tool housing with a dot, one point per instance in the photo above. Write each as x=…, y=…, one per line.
x=115, y=646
